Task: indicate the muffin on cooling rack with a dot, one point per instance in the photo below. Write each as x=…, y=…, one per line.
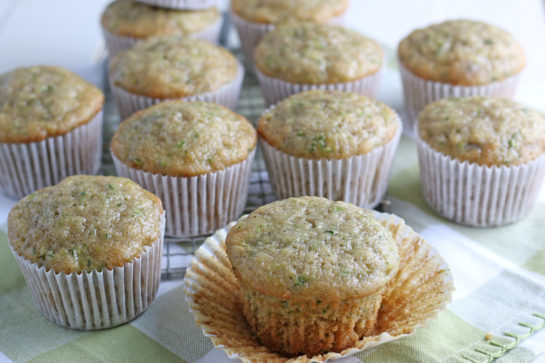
x=181, y=4
x=298, y=57
x=90, y=249
x=174, y=67
x=124, y=22
x=458, y=58
x=195, y=156
x=254, y=18
x=482, y=160
x=50, y=128
x=312, y=273
x=332, y=144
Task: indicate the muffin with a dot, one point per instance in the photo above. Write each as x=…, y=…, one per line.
x=458, y=58
x=482, y=160
x=332, y=144
x=50, y=128
x=312, y=273
x=298, y=57
x=181, y=4
x=90, y=249
x=195, y=156
x=254, y=18
x=124, y=22
x=173, y=67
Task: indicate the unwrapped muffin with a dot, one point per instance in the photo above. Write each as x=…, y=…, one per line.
x=311, y=272
x=181, y=4
x=50, y=128
x=90, y=249
x=482, y=160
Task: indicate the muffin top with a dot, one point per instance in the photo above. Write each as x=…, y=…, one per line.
x=42, y=101
x=276, y=11
x=483, y=130
x=171, y=66
x=317, y=53
x=180, y=138
x=303, y=248
x=133, y=19
x=85, y=223
x=328, y=124
x=461, y=52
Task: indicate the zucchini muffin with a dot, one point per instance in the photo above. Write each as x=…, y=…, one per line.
x=482, y=159
x=181, y=4
x=124, y=22
x=458, y=58
x=174, y=67
x=332, y=144
x=82, y=239
x=297, y=57
x=195, y=156
x=312, y=273
x=50, y=128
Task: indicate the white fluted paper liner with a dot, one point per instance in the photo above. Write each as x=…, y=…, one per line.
x=419, y=291
x=181, y=4
x=27, y=167
x=478, y=195
x=275, y=90
x=116, y=43
x=200, y=204
x=418, y=92
x=227, y=95
x=98, y=299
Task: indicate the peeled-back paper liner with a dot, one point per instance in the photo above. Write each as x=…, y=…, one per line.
x=98, y=299
x=361, y=179
x=420, y=290
x=418, y=92
x=116, y=43
x=181, y=4
x=200, y=204
x=27, y=167
x=275, y=90
x=227, y=95
x=478, y=195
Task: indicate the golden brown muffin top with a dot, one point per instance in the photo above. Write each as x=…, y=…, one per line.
x=85, y=223
x=172, y=67
x=43, y=101
x=277, y=11
x=317, y=53
x=461, y=52
x=328, y=124
x=310, y=247
x=133, y=19
x=483, y=130
x=180, y=138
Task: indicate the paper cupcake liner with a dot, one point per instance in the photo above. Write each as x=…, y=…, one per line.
x=116, y=43
x=200, y=204
x=99, y=299
x=275, y=90
x=227, y=95
x=421, y=288
x=418, y=92
x=181, y=4
x=361, y=179
x=478, y=195
x=27, y=167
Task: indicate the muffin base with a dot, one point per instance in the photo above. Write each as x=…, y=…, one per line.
x=98, y=299
x=200, y=204
x=181, y=4
x=27, y=167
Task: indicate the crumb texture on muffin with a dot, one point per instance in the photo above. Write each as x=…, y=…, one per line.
x=317, y=54
x=85, y=223
x=180, y=138
x=276, y=11
x=43, y=101
x=482, y=130
x=328, y=124
x=461, y=52
x=138, y=20
x=173, y=67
